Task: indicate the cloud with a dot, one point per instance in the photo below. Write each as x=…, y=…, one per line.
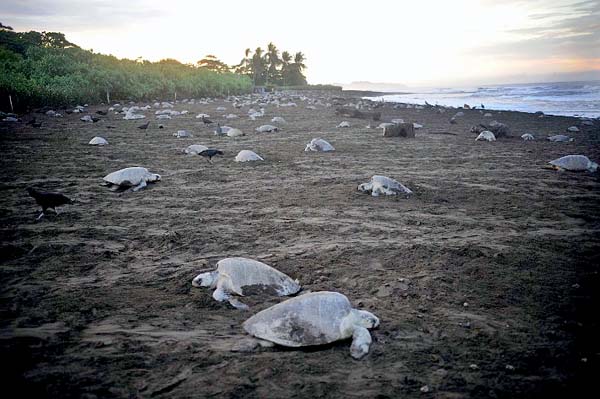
x=69, y=15
x=567, y=30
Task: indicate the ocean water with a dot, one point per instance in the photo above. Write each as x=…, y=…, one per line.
x=580, y=99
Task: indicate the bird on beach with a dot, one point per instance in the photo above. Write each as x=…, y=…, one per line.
x=144, y=126
x=100, y=112
x=206, y=120
x=211, y=152
x=482, y=107
x=219, y=129
x=48, y=200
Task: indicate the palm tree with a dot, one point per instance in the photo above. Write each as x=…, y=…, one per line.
x=297, y=77
x=245, y=65
x=299, y=59
x=273, y=61
x=285, y=65
x=258, y=66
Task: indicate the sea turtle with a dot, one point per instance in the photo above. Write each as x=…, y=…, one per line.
x=247, y=155
x=560, y=138
x=315, y=318
x=182, y=134
x=98, y=141
x=241, y=276
x=266, y=129
x=573, y=129
x=486, y=135
x=383, y=185
x=574, y=163
x=319, y=145
x=278, y=119
x=527, y=137
x=343, y=124
x=234, y=132
x=135, y=177
x=195, y=149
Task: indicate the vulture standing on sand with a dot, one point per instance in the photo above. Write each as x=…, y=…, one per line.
x=48, y=200
x=206, y=120
x=144, y=126
x=210, y=153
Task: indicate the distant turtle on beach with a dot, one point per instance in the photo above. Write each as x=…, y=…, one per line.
x=560, y=138
x=528, y=137
x=195, y=149
x=574, y=163
x=267, y=129
x=486, y=135
x=248, y=156
x=316, y=318
x=343, y=124
x=383, y=185
x=98, y=141
x=241, y=276
x=319, y=145
x=135, y=178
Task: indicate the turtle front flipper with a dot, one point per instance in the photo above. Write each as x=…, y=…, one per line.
x=140, y=186
x=237, y=304
x=361, y=341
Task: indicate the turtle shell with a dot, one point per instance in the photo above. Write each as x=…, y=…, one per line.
x=310, y=319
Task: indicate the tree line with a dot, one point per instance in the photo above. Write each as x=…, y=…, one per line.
x=44, y=68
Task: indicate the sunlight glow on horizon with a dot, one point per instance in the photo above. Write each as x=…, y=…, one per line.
x=424, y=43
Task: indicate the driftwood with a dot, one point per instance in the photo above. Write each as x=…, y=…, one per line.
x=354, y=113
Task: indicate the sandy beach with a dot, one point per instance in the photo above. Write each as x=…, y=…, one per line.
x=485, y=279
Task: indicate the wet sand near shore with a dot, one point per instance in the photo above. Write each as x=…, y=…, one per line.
x=485, y=279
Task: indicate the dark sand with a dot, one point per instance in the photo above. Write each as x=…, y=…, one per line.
x=493, y=262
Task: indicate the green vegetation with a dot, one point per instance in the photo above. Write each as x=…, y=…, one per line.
x=46, y=69
x=270, y=69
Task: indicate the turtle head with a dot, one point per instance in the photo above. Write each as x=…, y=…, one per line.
x=154, y=177
x=365, y=319
x=208, y=279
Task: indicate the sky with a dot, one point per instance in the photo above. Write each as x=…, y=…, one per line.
x=415, y=43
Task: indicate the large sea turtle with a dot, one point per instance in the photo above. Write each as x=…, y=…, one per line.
x=574, y=163
x=267, y=129
x=319, y=145
x=239, y=276
x=312, y=319
x=195, y=149
x=247, y=156
x=486, y=135
x=383, y=185
x=98, y=141
x=560, y=138
x=135, y=178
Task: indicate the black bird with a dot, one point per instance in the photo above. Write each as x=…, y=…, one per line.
x=206, y=120
x=94, y=119
x=211, y=152
x=48, y=200
x=160, y=126
x=144, y=126
x=482, y=107
x=100, y=112
x=110, y=127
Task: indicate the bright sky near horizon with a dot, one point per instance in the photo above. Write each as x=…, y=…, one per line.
x=417, y=43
